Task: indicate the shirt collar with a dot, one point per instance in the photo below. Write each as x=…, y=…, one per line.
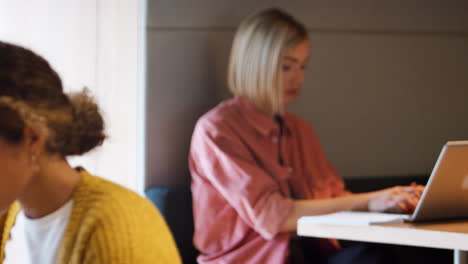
x=258, y=119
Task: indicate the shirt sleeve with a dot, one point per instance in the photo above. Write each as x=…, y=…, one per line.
x=221, y=157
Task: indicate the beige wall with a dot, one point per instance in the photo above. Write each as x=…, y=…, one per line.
x=385, y=88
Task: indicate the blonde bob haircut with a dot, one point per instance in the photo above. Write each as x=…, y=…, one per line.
x=255, y=62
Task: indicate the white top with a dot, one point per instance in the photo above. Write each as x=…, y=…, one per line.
x=37, y=240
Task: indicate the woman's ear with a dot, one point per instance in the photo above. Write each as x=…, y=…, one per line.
x=35, y=137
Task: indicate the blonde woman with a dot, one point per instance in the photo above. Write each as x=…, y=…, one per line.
x=257, y=168
x=49, y=211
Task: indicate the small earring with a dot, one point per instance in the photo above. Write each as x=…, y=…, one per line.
x=34, y=163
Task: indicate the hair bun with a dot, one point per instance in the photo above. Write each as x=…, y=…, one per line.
x=87, y=128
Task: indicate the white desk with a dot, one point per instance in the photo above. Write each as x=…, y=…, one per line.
x=446, y=235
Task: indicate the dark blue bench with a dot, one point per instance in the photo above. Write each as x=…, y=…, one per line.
x=175, y=204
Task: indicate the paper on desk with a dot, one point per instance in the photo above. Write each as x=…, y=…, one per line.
x=354, y=218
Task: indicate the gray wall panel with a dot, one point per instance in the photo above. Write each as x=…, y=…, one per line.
x=381, y=104
x=186, y=77
x=400, y=15
x=385, y=105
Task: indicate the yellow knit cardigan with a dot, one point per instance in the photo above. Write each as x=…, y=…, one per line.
x=108, y=224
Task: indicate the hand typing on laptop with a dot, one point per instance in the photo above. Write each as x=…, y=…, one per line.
x=399, y=199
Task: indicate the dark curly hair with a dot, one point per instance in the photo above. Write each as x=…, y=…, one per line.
x=31, y=91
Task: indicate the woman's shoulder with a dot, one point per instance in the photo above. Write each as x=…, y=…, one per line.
x=115, y=217
x=101, y=195
x=219, y=116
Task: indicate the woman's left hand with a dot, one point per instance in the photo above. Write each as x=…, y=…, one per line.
x=399, y=199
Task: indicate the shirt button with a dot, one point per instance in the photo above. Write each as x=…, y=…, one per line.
x=274, y=139
x=290, y=170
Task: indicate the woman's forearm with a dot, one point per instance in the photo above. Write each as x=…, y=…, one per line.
x=398, y=199
x=352, y=202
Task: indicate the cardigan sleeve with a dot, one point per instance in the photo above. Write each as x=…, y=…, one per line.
x=132, y=232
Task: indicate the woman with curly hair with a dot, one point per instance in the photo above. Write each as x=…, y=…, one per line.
x=49, y=211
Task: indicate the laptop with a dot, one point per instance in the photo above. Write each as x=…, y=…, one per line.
x=446, y=193
x=445, y=196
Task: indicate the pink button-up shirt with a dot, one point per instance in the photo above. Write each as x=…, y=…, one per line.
x=241, y=193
